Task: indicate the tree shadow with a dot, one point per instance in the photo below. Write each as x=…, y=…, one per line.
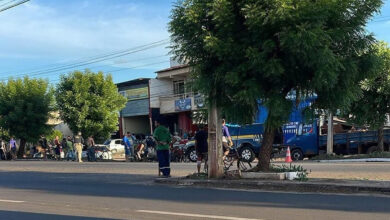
x=142, y=187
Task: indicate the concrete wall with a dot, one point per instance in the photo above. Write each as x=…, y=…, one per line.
x=137, y=124
x=160, y=88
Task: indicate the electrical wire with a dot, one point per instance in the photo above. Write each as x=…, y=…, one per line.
x=96, y=59
x=13, y=5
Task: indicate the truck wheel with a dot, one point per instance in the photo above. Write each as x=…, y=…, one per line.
x=247, y=154
x=297, y=154
x=373, y=149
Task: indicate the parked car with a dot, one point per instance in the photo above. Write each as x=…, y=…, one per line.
x=114, y=145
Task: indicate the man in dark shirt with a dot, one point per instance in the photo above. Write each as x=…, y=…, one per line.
x=201, y=146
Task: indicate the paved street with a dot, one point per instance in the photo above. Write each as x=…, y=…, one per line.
x=65, y=190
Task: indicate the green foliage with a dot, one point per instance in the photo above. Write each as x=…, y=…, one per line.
x=52, y=135
x=243, y=51
x=374, y=104
x=25, y=106
x=302, y=172
x=89, y=102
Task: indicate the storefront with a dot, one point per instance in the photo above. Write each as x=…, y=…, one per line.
x=134, y=117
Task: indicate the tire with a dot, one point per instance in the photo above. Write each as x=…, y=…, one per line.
x=192, y=156
x=373, y=149
x=297, y=154
x=246, y=154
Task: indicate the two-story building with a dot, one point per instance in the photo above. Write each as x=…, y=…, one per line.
x=172, y=98
x=134, y=117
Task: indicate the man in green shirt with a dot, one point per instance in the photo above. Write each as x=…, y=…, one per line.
x=163, y=137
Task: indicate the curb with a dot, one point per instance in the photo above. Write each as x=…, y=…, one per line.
x=355, y=160
x=315, y=186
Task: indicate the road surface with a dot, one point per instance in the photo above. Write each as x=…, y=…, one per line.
x=66, y=190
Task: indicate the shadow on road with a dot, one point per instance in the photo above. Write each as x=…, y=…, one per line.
x=142, y=187
x=11, y=215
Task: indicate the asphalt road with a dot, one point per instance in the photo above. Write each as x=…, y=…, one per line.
x=65, y=190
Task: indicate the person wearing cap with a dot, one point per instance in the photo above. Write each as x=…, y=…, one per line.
x=163, y=137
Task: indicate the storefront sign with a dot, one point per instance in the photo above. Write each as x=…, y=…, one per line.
x=183, y=105
x=199, y=101
x=135, y=94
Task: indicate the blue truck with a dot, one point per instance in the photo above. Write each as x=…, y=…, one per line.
x=304, y=139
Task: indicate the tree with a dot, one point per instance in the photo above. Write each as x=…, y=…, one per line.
x=374, y=104
x=243, y=52
x=89, y=102
x=24, y=109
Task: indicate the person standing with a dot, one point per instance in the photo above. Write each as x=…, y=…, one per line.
x=12, y=145
x=43, y=143
x=64, y=147
x=91, y=149
x=57, y=144
x=201, y=146
x=127, y=143
x=227, y=142
x=78, y=143
x=3, y=154
x=163, y=138
x=70, y=154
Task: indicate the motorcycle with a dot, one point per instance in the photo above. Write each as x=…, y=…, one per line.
x=177, y=150
x=145, y=150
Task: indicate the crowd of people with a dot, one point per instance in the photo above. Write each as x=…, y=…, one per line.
x=70, y=148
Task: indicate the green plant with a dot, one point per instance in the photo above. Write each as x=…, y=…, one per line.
x=245, y=51
x=89, y=102
x=302, y=172
x=24, y=109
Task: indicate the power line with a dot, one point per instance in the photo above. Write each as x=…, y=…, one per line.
x=82, y=59
x=96, y=59
x=123, y=69
x=103, y=57
x=13, y=5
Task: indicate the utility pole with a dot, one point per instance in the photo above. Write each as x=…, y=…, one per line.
x=215, y=142
x=329, y=143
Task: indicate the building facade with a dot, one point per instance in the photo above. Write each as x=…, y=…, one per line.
x=134, y=117
x=172, y=98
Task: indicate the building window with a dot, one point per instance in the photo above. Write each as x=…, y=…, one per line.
x=179, y=88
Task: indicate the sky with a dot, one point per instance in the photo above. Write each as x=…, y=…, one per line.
x=47, y=38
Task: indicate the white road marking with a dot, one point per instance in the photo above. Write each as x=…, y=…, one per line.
x=195, y=215
x=11, y=201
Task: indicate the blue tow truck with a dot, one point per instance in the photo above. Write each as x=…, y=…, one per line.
x=304, y=139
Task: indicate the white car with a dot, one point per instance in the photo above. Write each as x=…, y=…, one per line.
x=115, y=145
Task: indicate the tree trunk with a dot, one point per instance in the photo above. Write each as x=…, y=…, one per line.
x=329, y=143
x=380, y=139
x=266, y=149
x=215, y=143
x=21, y=148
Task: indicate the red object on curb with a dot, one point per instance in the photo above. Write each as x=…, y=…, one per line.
x=288, y=156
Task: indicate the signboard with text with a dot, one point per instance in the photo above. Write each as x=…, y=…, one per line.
x=183, y=105
x=135, y=94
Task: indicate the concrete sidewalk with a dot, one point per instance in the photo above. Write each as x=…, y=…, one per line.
x=312, y=185
x=355, y=160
